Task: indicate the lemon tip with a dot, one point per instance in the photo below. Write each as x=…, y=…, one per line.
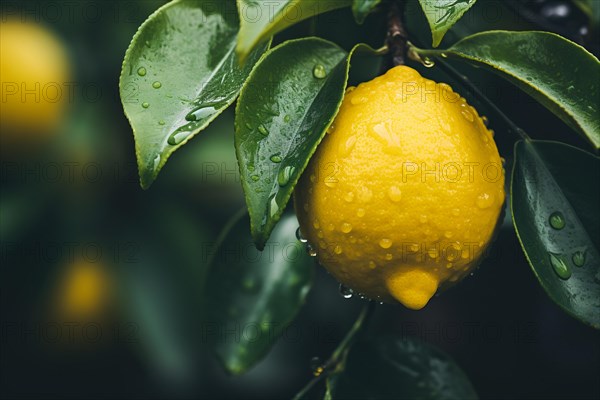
x=413, y=288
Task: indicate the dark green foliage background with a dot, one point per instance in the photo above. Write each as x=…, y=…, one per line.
x=499, y=325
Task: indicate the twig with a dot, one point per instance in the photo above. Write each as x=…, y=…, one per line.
x=397, y=38
x=363, y=318
x=338, y=357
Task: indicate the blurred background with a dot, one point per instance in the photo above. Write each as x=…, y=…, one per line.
x=101, y=282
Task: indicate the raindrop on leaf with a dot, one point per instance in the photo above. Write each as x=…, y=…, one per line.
x=557, y=220
x=319, y=71
x=560, y=267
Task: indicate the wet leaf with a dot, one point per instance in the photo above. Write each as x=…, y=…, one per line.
x=558, y=73
x=443, y=14
x=554, y=198
x=179, y=73
x=290, y=99
x=261, y=19
x=399, y=368
x=255, y=294
x=362, y=8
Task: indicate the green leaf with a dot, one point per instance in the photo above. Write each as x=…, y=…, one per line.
x=20, y=210
x=291, y=97
x=554, y=198
x=160, y=281
x=392, y=367
x=179, y=73
x=255, y=294
x=558, y=73
x=442, y=14
x=591, y=8
x=261, y=19
x=362, y=8
x=152, y=303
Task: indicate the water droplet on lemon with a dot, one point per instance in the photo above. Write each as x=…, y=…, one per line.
x=346, y=227
x=484, y=200
x=364, y=194
x=346, y=147
x=358, y=100
x=346, y=292
x=395, y=194
x=385, y=243
x=349, y=197
x=299, y=236
x=466, y=113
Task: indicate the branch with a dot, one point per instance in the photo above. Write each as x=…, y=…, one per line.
x=397, y=38
x=338, y=357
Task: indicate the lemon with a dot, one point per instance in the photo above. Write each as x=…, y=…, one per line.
x=403, y=194
x=84, y=291
x=34, y=68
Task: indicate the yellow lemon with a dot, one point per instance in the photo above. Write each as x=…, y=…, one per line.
x=85, y=291
x=404, y=192
x=33, y=70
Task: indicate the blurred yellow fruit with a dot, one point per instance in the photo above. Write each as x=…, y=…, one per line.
x=85, y=291
x=404, y=193
x=34, y=69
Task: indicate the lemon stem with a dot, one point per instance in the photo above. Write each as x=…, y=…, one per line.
x=336, y=362
x=397, y=38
